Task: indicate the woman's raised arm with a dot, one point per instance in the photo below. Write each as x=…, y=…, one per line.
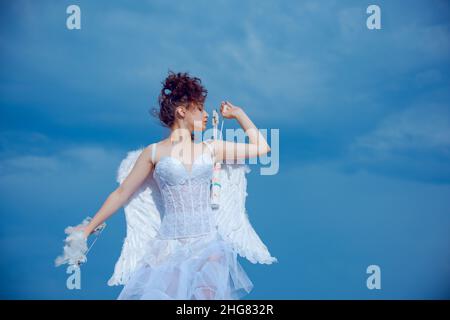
x=257, y=146
x=141, y=169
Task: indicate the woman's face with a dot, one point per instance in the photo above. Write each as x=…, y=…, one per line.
x=197, y=117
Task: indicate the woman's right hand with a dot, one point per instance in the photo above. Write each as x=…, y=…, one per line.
x=86, y=233
x=83, y=228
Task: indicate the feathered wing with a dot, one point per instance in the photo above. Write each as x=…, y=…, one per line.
x=232, y=218
x=143, y=218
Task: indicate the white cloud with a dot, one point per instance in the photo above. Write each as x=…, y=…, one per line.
x=68, y=180
x=414, y=143
x=414, y=129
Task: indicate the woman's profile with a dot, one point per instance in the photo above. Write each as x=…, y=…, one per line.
x=177, y=246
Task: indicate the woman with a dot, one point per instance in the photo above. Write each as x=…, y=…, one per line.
x=188, y=259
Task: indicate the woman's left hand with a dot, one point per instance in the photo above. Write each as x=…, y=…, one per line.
x=228, y=110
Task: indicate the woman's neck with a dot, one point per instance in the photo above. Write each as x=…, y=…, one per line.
x=179, y=134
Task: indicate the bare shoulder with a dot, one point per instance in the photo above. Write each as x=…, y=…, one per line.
x=151, y=149
x=215, y=142
x=147, y=153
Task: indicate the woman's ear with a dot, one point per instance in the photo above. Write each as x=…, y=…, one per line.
x=180, y=112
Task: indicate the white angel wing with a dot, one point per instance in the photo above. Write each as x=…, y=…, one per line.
x=143, y=218
x=232, y=219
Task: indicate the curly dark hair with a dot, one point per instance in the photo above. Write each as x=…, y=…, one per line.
x=178, y=89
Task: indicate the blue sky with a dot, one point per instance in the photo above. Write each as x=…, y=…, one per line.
x=364, y=122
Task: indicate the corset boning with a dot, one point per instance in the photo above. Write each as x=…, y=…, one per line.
x=186, y=198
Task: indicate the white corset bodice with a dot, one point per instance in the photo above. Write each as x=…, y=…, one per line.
x=186, y=196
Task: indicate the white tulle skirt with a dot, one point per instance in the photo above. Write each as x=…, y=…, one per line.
x=198, y=268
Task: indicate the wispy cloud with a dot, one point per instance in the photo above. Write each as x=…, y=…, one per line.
x=414, y=142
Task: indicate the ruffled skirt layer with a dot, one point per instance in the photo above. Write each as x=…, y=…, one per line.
x=198, y=268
